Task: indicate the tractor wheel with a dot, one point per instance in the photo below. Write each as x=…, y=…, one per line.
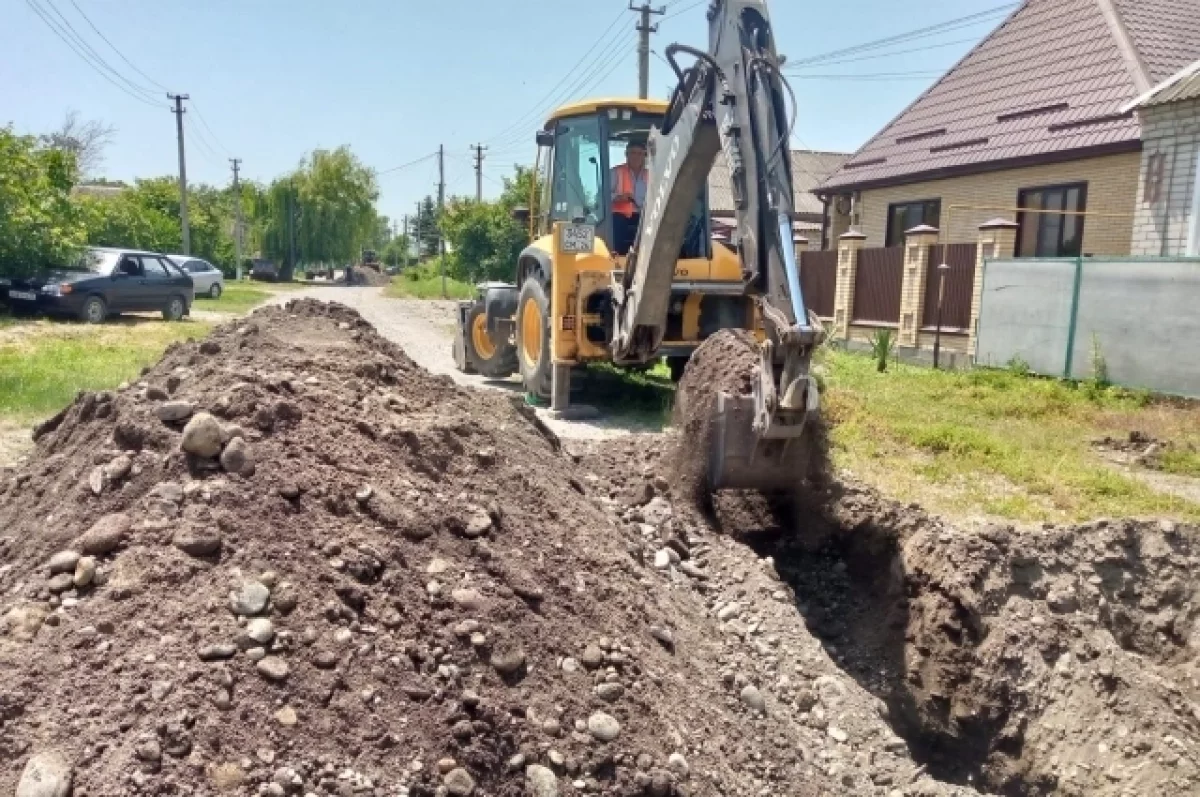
x=494, y=359
x=533, y=338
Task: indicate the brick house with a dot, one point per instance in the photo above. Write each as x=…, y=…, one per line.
x=809, y=169
x=1035, y=117
x=1167, y=219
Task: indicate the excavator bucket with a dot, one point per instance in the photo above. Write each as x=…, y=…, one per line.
x=745, y=456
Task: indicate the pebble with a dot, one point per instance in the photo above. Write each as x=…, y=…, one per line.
x=729, y=612
x=837, y=734
x=603, y=727
x=105, y=535
x=754, y=698
x=118, y=469
x=217, y=652
x=198, y=542
x=237, y=457
x=678, y=764
x=174, y=411
x=61, y=583
x=609, y=692
x=468, y=599
x=46, y=775
x=202, y=436
x=85, y=571
x=542, y=781
x=459, y=783
x=286, y=717
x=260, y=630
x=272, y=668
x=478, y=524
x=508, y=658
x=593, y=657
x=250, y=599
x=662, y=559
x=63, y=562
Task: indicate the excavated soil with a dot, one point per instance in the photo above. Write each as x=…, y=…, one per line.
x=368, y=581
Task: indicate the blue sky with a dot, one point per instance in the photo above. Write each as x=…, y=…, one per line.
x=274, y=79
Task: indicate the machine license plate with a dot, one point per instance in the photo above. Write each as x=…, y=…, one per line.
x=578, y=238
x=28, y=296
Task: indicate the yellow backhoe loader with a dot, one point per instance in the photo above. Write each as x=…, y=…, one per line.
x=599, y=283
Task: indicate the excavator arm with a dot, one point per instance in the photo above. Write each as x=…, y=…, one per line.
x=731, y=99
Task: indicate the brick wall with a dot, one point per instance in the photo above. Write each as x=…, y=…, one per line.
x=1112, y=188
x=1171, y=140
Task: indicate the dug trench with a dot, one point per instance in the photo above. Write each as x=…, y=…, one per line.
x=287, y=560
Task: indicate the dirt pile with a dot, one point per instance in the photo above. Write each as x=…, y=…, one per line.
x=289, y=561
x=1140, y=449
x=363, y=275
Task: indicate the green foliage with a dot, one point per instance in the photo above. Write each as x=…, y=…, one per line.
x=398, y=251
x=882, y=341
x=486, y=241
x=425, y=282
x=1018, y=366
x=39, y=225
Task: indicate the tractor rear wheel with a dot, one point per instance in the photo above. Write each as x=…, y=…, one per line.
x=533, y=338
x=495, y=359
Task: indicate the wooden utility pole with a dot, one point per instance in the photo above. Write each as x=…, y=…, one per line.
x=183, y=206
x=417, y=236
x=644, y=28
x=237, y=211
x=441, y=211
x=479, y=149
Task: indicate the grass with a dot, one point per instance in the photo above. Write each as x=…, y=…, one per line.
x=242, y=297
x=643, y=398
x=998, y=443
x=425, y=282
x=43, y=364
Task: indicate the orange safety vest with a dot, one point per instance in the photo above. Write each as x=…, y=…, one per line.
x=625, y=185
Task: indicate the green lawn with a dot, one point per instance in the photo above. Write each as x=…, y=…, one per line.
x=242, y=297
x=43, y=364
x=1000, y=444
x=425, y=282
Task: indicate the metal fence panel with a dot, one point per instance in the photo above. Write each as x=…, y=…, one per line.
x=960, y=285
x=818, y=280
x=879, y=285
x=1142, y=318
x=1025, y=314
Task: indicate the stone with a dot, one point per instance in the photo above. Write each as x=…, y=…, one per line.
x=603, y=727
x=63, y=562
x=250, y=599
x=508, y=658
x=24, y=621
x=459, y=783
x=118, y=468
x=593, y=657
x=174, y=411
x=662, y=559
x=286, y=717
x=469, y=599
x=198, y=542
x=542, y=781
x=754, y=698
x=609, y=692
x=85, y=571
x=202, y=436
x=61, y=583
x=260, y=630
x=444, y=765
x=658, y=511
x=238, y=458
x=729, y=612
x=96, y=480
x=679, y=765
x=105, y=535
x=273, y=668
x=46, y=775
x=479, y=523
x=837, y=734
x=217, y=652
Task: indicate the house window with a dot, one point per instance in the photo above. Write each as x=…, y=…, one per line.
x=903, y=216
x=1044, y=230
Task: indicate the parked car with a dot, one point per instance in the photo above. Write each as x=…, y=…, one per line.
x=206, y=278
x=104, y=281
x=265, y=271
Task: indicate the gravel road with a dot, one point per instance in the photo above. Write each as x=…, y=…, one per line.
x=425, y=328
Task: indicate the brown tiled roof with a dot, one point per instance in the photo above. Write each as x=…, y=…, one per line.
x=809, y=169
x=1183, y=85
x=1049, y=82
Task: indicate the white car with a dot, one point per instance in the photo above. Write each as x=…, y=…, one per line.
x=207, y=278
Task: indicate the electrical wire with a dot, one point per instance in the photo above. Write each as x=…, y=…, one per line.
x=115, y=49
x=684, y=10
x=57, y=30
x=876, y=76
x=204, y=122
x=406, y=165
x=888, y=55
x=74, y=34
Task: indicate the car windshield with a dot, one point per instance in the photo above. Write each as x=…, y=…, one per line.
x=95, y=261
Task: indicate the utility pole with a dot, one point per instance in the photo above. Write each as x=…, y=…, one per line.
x=417, y=234
x=405, y=228
x=479, y=149
x=441, y=211
x=291, y=269
x=645, y=29
x=183, y=208
x=237, y=210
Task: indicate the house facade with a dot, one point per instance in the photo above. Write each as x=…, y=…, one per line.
x=1033, y=126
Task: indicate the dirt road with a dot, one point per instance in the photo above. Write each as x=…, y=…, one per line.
x=426, y=328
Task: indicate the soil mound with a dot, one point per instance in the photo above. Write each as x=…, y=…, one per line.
x=289, y=561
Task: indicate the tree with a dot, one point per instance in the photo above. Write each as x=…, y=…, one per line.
x=86, y=140
x=485, y=238
x=398, y=251
x=425, y=229
x=39, y=225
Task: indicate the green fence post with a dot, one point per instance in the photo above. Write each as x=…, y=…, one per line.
x=1074, y=317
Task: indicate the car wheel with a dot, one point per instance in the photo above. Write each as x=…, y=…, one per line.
x=215, y=291
x=175, y=309
x=94, y=310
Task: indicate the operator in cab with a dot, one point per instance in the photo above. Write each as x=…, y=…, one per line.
x=629, y=182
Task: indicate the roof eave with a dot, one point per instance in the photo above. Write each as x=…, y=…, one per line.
x=1114, y=148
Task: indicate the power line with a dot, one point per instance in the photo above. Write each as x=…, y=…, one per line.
x=422, y=159
x=57, y=30
x=873, y=76
x=685, y=9
x=132, y=65
x=204, y=122
x=99, y=58
x=893, y=53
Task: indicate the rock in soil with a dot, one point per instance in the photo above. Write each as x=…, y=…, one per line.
x=45, y=775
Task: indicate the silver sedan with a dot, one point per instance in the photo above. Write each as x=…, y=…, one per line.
x=207, y=279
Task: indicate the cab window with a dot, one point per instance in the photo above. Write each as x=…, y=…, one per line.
x=578, y=171
x=129, y=267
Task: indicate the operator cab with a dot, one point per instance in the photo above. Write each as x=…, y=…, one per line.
x=584, y=153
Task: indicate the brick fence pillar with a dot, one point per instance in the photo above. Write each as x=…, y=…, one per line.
x=917, y=243
x=847, y=272
x=997, y=238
